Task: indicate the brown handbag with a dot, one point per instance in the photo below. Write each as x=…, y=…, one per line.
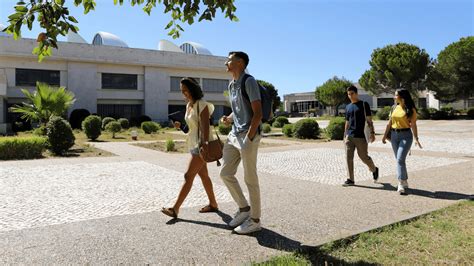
x=214, y=147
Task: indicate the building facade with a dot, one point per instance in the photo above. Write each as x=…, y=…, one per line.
x=109, y=78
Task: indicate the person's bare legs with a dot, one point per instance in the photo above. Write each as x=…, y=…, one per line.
x=207, y=183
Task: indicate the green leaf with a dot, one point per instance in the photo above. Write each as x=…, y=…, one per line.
x=15, y=16
x=21, y=9
x=20, y=3
x=73, y=19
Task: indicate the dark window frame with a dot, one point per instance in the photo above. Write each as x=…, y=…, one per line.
x=111, y=81
x=29, y=77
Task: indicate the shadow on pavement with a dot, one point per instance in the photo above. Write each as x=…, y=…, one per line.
x=423, y=193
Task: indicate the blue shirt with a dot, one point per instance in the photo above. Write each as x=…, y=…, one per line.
x=241, y=108
x=356, y=117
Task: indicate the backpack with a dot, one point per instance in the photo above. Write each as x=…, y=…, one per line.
x=265, y=97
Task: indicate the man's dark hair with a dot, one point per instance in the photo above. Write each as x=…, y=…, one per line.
x=352, y=88
x=242, y=56
x=193, y=87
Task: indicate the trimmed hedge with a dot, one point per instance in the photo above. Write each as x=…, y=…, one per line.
x=92, y=126
x=335, y=129
x=124, y=123
x=107, y=120
x=77, y=116
x=306, y=129
x=223, y=129
x=280, y=122
x=15, y=148
x=383, y=113
x=288, y=130
x=150, y=127
x=60, y=136
x=470, y=113
x=266, y=128
x=113, y=127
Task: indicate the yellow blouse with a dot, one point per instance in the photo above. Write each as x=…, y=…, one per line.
x=400, y=119
x=191, y=117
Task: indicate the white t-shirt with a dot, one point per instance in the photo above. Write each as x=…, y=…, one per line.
x=191, y=117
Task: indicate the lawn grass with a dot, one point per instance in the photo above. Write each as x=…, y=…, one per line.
x=445, y=236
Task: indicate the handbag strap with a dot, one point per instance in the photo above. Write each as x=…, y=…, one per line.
x=199, y=127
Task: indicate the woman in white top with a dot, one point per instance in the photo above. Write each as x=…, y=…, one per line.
x=197, y=166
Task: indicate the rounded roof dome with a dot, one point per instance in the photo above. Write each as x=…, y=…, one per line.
x=105, y=38
x=194, y=48
x=168, y=46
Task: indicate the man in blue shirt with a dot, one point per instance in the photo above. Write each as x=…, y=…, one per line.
x=357, y=114
x=242, y=144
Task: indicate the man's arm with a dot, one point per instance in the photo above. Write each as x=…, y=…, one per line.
x=256, y=118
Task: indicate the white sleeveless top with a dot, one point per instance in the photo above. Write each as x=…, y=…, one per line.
x=191, y=117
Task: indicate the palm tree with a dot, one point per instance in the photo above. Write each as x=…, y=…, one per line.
x=45, y=102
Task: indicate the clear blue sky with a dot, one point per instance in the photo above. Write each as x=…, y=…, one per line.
x=294, y=44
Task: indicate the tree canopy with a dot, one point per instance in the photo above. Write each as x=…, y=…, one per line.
x=333, y=92
x=53, y=16
x=396, y=66
x=273, y=92
x=452, y=75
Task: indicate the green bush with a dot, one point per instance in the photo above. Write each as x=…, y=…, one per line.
x=60, y=136
x=280, y=122
x=113, y=127
x=288, y=130
x=306, y=129
x=223, y=129
x=92, y=126
x=266, y=128
x=383, y=113
x=150, y=127
x=124, y=123
x=40, y=131
x=423, y=113
x=15, y=148
x=450, y=112
x=335, y=129
x=440, y=115
x=169, y=145
x=107, y=120
x=470, y=113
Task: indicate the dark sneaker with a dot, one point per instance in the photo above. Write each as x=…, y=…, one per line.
x=376, y=174
x=348, y=183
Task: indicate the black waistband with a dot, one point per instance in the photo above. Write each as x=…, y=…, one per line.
x=400, y=129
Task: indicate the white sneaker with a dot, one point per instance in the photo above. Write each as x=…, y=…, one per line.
x=404, y=183
x=239, y=218
x=249, y=226
x=401, y=189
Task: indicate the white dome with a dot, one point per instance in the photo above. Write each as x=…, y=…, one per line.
x=194, y=48
x=3, y=34
x=74, y=37
x=168, y=46
x=105, y=38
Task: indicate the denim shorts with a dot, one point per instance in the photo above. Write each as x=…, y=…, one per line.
x=194, y=151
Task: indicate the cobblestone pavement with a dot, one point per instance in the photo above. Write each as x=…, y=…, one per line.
x=106, y=210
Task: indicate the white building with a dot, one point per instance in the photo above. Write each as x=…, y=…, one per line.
x=109, y=78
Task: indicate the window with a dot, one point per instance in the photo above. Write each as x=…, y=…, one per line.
x=29, y=77
x=381, y=102
x=215, y=85
x=119, y=81
x=174, y=83
x=128, y=111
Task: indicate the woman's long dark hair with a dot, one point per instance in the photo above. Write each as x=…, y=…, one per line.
x=409, y=103
x=193, y=87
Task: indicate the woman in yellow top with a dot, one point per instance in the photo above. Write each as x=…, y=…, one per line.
x=402, y=126
x=198, y=112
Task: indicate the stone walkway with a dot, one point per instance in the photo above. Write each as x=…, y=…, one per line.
x=106, y=210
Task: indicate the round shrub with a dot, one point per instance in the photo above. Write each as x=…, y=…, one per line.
x=280, y=121
x=92, y=126
x=266, y=128
x=124, y=123
x=15, y=148
x=224, y=129
x=384, y=113
x=77, y=116
x=470, y=113
x=150, y=127
x=60, y=136
x=169, y=145
x=423, y=113
x=335, y=129
x=306, y=129
x=137, y=121
x=288, y=130
x=440, y=115
x=107, y=120
x=113, y=127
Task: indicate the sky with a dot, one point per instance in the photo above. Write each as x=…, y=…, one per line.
x=294, y=44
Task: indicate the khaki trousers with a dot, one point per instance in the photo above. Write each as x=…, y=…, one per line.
x=231, y=160
x=361, y=145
